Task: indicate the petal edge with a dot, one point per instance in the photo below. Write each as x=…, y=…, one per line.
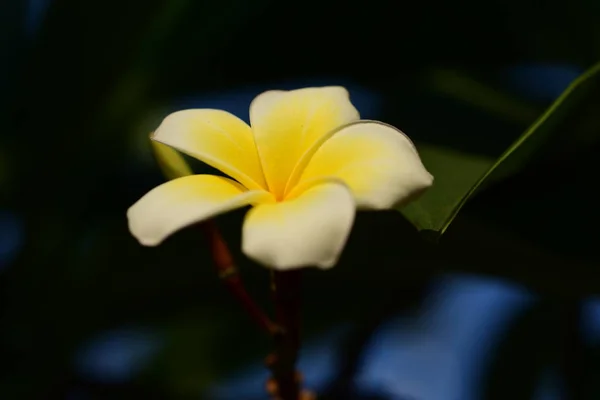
x=377, y=161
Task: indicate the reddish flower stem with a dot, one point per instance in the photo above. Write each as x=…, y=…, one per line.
x=228, y=273
x=285, y=381
x=286, y=295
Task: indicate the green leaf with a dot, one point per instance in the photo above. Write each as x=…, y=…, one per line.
x=171, y=163
x=458, y=176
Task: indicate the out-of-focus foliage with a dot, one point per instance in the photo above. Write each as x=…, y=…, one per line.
x=171, y=163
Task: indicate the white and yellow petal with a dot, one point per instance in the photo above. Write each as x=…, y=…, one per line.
x=184, y=201
x=310, y=230
x=217, y=138
x=377, y=161
x=286, y=124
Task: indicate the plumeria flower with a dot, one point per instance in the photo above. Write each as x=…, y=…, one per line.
x=305, y=164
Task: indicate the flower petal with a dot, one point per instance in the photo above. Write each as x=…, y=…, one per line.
x=310, y=230
x=287, y=123
x=185, y=201
x=217, y=138
x=377, y=161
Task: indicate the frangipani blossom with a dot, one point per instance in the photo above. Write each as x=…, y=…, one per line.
x=305, y=164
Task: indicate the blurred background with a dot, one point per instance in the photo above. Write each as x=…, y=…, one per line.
x=505, y=305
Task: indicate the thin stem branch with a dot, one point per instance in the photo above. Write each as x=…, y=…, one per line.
x=286, y=295
x=228, y=273
x=285, y=381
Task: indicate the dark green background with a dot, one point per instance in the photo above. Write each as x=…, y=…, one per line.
x=77, y=97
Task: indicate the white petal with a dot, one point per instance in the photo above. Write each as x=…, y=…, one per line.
x=310, y=230
x=184, y=201
x=377, y=161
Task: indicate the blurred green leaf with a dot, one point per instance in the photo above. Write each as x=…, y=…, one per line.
x=191, y=360
x=171, y=163
x=459, y=176
x=481, y=95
